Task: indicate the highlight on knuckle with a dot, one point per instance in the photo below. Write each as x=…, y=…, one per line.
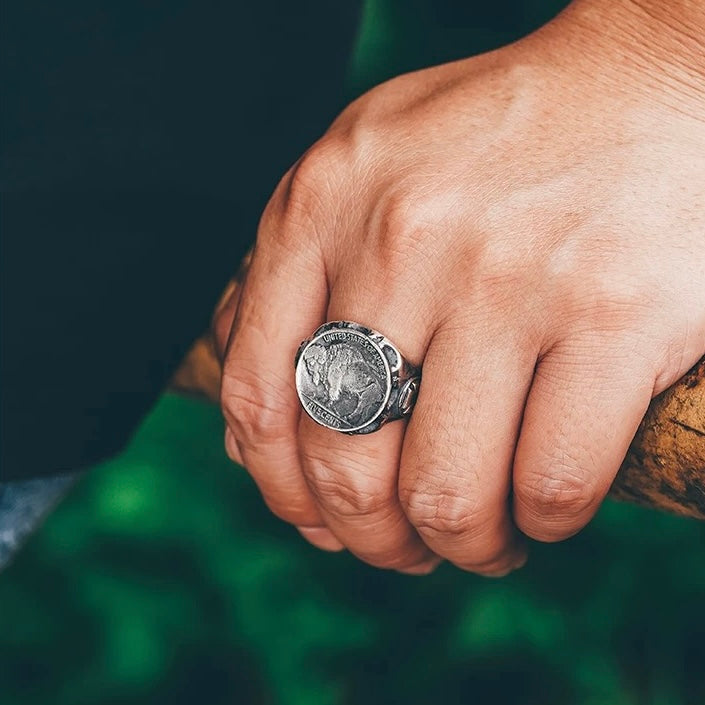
x=610, y=299
x=404, y=221
x=501, y=274
x=311, y=182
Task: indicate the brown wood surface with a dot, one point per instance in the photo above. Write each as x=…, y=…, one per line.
x=665, y=466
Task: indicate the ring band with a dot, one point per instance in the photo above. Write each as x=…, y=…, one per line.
x=352, y=379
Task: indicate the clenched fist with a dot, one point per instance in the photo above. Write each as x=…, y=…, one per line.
x=529, y=227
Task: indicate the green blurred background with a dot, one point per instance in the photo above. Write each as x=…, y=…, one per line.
x=163, y=578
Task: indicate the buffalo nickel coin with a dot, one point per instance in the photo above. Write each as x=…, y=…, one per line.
x=343, y=379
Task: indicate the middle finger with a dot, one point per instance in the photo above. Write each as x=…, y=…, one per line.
x=354, y=478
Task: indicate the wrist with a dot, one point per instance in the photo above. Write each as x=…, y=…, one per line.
x=675, y=31
x=653, y=46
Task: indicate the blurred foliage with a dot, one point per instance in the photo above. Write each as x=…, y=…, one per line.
x=164, y=579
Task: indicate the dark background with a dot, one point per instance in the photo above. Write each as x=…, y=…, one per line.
x=163, y=578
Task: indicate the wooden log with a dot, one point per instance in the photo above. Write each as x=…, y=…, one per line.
x=665, y=465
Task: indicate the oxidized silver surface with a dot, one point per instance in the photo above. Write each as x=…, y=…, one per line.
x=352, y=379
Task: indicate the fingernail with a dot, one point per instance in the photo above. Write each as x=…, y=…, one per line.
x=521, y=561
x=321, y=538
x=423, y=568
x=510, y=568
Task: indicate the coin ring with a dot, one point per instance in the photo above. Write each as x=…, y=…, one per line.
x=352, y=379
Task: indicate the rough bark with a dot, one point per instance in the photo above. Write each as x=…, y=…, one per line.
x=665, y=465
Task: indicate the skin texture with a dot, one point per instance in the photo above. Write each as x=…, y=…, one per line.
x=529, y=224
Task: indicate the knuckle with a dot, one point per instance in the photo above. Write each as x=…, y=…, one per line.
x=403, y=223
x=619, y=295
x=566, y=495
x=598, y=291
x=256, y=412
x=501, y=271
x=502, y=274
x=311, y=179
x=348, y=493
x=441, y=515
x=306, y=199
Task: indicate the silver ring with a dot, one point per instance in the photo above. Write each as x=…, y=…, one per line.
x=351, y=379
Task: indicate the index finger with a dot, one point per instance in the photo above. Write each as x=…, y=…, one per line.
x=283, y=299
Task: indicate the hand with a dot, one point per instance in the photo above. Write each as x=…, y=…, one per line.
x=528, y=224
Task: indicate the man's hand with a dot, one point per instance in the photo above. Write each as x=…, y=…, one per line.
x=530, y=226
